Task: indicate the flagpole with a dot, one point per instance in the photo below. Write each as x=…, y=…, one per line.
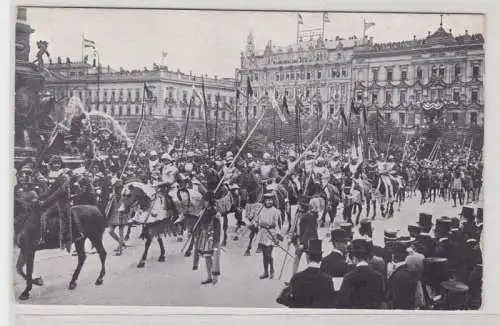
x=206, y=113
x=298, y=29
x=236, y=111
x=83, y=44
x=323, y=28
x=216, y=125
x=186, y=127
x=364, y=30
x=246, y=114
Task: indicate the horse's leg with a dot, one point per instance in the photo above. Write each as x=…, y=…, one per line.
x=374, y=203
x=99, y=247
x=21, y=261
x=367, y=207
x=129, y=229
x=162, y=248
x=29, y=255
x=360, y=209
x=224, y=228
x=250, y=240
x=82, y=256
x=289, y=217
x=142, y=262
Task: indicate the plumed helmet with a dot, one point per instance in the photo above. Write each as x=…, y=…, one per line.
x=166, y=156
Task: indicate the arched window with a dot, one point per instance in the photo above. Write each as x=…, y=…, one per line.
x=120, y=110
x=150, y=110
x=128, y=110
x=137, y=112
x=113, y=110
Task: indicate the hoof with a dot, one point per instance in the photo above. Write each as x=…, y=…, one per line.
x=224, y=243
x=162, y=258
x=98, y=281
x=187, y=254
x=24, y=296
x=247, y=253
x=141, y=264
x=118, y=253
x=72, y=286
x=38, y=281
x=236, y=238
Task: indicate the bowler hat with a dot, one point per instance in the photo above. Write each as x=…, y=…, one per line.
x=467, y=212
x=339, y=235
x=314, y=247
x=398, y=247
x=365, y=227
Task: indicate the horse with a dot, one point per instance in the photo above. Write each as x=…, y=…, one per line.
x=352, y=197
x=152, y=209
x=27, y=226
x=388, y=189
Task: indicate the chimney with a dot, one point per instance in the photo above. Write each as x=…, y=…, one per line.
x=466, y=32
x=414, y=37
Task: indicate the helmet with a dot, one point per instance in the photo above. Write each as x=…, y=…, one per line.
x=153, y=153
x=166, y=156
x=190, y=154
x=249, y=155
x=266, y=156
x=292, y=154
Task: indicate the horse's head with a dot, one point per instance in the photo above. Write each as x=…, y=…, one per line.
x=131, y=195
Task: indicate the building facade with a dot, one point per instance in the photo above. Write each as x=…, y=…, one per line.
x=120, y=93
x=437, y=79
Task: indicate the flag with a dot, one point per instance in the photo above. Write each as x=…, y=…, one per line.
x=276, y=107
x=164, y=54
x=204, y=99
x=285, y=106
x=147, y=92
x=326, y=19
x=342, y=114
x=249, y=87
x=300, y=20
x=368, y=25
x=202, y=106
x=88, y=43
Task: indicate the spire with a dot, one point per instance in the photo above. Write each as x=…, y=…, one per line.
x=250, y=44
x=441, y=23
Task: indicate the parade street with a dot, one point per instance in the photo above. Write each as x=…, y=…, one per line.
x=174, y=283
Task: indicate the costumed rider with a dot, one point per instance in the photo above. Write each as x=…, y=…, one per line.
x=282, y=164
x=208, y=239
x=309, y=162
x=267, y=170
x=336, y=166
x=321, y=173
x=154, y=167
x=189, y=167
x=353, y=168
x=25, y=191
x=229, y=172
x=168, y=171
x=56, y=200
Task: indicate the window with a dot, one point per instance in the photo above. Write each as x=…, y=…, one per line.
x=192, y=112
x=292, y=76
x=183, y=113
x=287, y=93
x=150, y=110
x=475, y=71
x=184, y=95
x=231, y=100
x=72, y=74
x=223, y=115
x=129, y=94
x=137, y=94
x=308, y=75
x=112, y=93
x=434, y=71
x=302, y=75
x=456, y=96
x=254, y=110
x=277, y=76
x=374, y=98
x=128, y=110
x=104, y=109
x=418, y=96
x=344, y=73
x=402, y=97
x=404, y=75
x=389, y=75
x=120, y=111
x=359, y=96
x=199, y=114
x=256, y=77
x=169, y=112
x=342, y=89
x=332, y=109
x=419, y=73
x=307, y=92
x=113, y=110
x=474, y=96
x=387, y=117
x=137, y=110
x=334, y=73
x=319, y=74
x=440, y=93
x=402, y=118
x=375, y=75
x=388, y=97
x=209, y=98
x=433, y=94
x=170, y=94
x=473, y=118
x=454, y=117
x=441, y=72
x=457, y=71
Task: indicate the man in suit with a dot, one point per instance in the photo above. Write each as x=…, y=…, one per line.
x=311, y=288
x=335, y=264
x=362, y=288
x=401, y=285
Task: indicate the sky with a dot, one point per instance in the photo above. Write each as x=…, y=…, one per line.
x=210, y=42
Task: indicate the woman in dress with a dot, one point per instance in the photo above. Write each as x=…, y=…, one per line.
x=116, y=218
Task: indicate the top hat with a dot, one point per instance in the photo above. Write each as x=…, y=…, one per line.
x=414, y=230
x=454, y=294
x=479, y=215
x=467, y=212
x=443, y=225
x=435, y=271
x=314, y=247
x=390, y=235
x=358, y=246
x=405, y=241
x=455, y=223
x=347, y=227
x=339, y=235
x=425, y=220
x=399, y=247
x=365, y=227
x=268, y=195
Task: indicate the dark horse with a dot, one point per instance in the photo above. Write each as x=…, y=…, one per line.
x=27, y=226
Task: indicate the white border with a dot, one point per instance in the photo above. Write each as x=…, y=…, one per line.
x=31, y=314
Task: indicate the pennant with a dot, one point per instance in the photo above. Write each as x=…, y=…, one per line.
x=300, y=20
x=285, y=106
x=198, y=95
x=276, y=107
x=204, y=100
x=326, y=19
x=342, y=114
x=88, y=43
x=380, y=117
x=148, y=92
x=249, y=87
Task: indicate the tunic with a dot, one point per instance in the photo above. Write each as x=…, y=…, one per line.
x=267, y=221
x=168, y=173
x=266, y=170
x=116, y=218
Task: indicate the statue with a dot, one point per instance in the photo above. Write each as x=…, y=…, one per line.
x=42, y=50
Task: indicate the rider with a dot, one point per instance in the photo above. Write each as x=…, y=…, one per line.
x=267, y=169
x=169, y=170
x=57, y=200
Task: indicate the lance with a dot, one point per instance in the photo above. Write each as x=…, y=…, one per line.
x=186, y=127
x=388, y=146
x=470, y=148
x=216, y=126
